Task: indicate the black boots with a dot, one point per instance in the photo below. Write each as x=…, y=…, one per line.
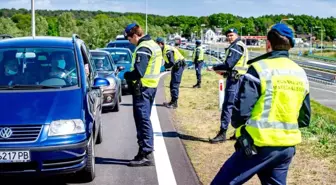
x=172, y=104
x=221, y=137
x=142, y=159
x=198, y=85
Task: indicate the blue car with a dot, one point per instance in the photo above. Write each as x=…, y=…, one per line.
x=51, y=104
x=121, y=44
x=122, y=58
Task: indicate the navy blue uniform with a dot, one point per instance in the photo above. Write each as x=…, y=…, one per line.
x=142, y=105
x=232, y=84
x=176, y=75
x=198, y=66
x=271, y=163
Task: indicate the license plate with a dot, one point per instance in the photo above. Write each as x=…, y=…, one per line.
x=14, y=156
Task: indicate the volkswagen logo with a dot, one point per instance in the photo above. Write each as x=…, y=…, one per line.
x=5, y=132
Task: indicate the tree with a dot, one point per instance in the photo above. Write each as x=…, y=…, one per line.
x=67, y=24
x=7, y=26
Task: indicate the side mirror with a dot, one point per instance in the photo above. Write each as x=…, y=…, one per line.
x=100, y=82
x=120, y=68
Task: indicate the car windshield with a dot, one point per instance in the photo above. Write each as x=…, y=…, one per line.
x=101, y=62
x=121, y=57
x=37, y=67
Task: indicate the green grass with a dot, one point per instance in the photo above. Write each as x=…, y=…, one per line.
x=198, y=116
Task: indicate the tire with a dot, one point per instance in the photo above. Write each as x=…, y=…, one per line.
x=120, y=95
x=89, y=172
x=100, y=134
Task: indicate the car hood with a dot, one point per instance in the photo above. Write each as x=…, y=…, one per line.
x=40, y=107
x=105, y=74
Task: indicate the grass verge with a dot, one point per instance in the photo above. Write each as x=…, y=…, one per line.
x=197, y=119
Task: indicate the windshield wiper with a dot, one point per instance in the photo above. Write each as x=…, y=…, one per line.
x=22, y=86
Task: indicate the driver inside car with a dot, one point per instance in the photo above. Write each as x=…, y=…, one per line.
x=58, y=64
x=100, y=64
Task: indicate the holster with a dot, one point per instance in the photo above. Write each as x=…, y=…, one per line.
x=245, y=143
x=137, y=88
x=179, y=64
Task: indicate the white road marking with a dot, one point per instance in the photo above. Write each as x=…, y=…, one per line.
x=164, y=170
x=323, y=90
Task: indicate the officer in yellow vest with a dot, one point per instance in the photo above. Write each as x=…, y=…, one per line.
x=173, y=58
x=272, y=104
x=198, y=59
x=235, y=62
x=144, y=77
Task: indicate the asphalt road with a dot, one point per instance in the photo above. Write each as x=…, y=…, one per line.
x=324, y=94
x=119, y=146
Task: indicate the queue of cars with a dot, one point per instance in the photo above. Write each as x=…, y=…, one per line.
x=53, y=91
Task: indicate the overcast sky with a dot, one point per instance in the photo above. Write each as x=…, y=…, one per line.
x=245, y=8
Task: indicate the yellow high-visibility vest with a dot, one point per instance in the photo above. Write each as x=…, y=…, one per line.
x=274, y=118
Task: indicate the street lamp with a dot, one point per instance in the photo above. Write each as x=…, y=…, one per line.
x=321, y=37
x=288, y=19
x=146, y=18
x=33, y=18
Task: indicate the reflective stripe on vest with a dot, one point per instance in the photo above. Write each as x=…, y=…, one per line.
x=201, y=54
x=241, y=66
x=177, y=55
x=152, y=74
x=273, y=120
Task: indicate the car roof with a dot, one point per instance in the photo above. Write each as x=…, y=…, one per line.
x=100, y=51
x=116, y=48
x=45, y=41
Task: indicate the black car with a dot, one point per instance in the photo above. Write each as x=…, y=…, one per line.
x=106, y=68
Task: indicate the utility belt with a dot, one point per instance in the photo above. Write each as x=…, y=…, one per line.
x=233, y=74
x=246, y=143
x=178, y=64
x=135, y=88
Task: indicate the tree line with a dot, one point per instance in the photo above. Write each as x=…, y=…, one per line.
x=97, y=28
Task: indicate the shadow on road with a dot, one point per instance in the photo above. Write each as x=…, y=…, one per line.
x=101, y=160
x=59, y=180
x=181, y=136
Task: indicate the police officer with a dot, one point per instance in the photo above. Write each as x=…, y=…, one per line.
x=272, y=104
x=235, y=62
x=144, y=77
x=198, y=58
x=173, y=58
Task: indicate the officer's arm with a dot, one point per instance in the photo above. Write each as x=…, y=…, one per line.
x=248, y=94
x=305, y=112
x=170, y=56
x=233, y=57
x=142, y=57
x=197, y=54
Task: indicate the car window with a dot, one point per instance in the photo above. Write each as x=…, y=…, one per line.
x=121, y=57
x=38, y=66
x=101, y=62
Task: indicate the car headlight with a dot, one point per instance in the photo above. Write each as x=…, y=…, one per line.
x=66, y=127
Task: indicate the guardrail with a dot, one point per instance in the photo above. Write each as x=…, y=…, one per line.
x=330, y=59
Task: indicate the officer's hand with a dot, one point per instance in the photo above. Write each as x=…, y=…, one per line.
x=126, y=75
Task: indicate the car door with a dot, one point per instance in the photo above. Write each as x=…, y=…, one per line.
x=114, y=66
x=94, y=95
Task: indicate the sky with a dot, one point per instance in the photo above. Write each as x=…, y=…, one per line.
x=244, y=8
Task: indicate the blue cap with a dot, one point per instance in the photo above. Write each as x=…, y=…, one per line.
x=128, y=28
x=231, y=30
x=198, y=42
x=284, y=30
x=160, y=40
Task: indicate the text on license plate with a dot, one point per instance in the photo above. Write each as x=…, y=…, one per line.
x=14, y=156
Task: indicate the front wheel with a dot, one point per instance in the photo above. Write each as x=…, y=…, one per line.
x=89, y=172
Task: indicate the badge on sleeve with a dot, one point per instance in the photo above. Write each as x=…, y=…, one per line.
x=138, y=59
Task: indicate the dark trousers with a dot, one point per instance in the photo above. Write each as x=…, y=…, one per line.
x=231, y=90
x=176, y=76
x=142, y=107
x=198, y=68
x=270, y=164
